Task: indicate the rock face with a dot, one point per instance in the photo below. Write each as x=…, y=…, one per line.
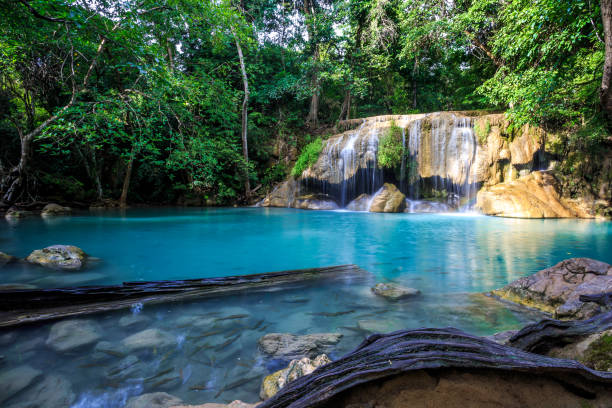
x=446, y=368
x=361, y=203
x=315, y=202
x=153, y=400
x=296, y=369
x=392, y=291
x=535, y=195
x=289, y=346
x=70, y=335
x=65, y=257
x=6, y=259
x=282, y=196
x=557, y=290
x=55, y=209
x=388, y=200
x=16, y=379
x=149, y=339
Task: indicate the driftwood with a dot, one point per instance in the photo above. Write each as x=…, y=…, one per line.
x=386, y=356
x=547, y=334
x=27, y=306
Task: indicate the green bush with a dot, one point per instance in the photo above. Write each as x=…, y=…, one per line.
x=390, y=149
x=482, y=130
x=308, y=157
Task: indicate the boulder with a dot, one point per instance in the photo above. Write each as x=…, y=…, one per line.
x=14, y=213
x=315, y=202
x=388, y=200
x=154, y=400
x=6, y=259
x=361, y=203
x=16, y=379
x=289, y=346
x=393, y=291
x=296, y=369
x=69, y=335
x=54, y=391
x=535, y=195
x=558, y=290
x=282, y=196
x=134, y=321
x=149, y=339
x=52, y=209
x=64, y=257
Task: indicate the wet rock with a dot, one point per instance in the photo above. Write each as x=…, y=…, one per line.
x=282, y=196
x=134, y=321
x=16, y=286
x=417, y=206
x=535, y=195
x=233, y=404
x=315, y=202
x=557, y=290
x=52, y=209
x=6, y=259
x=65, y=257
x=361, y=203
x=502, y=337
x=69, y=335
x=296, y=369
x=53, y=392
x=393, y=291
x=15, y=213
x=105, y=350
x=154, y=400
x=289, y=346
x=149, y=339
x=129, y=367
x=14, y=380
x=388, y=199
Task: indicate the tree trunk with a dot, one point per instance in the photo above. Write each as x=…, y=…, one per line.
x=126, y=180
x=245, y=118
x=312, y=120
x=606, y=80
x=415, y=70
x=345, y=111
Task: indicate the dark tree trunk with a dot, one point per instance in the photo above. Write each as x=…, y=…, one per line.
x=415, y=70
x=606, y=80
x=126, y=179
x=345, y=111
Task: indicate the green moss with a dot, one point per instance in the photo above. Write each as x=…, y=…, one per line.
x=482, y=129
x=599, y=354
x=308, y=157
x=390, y=149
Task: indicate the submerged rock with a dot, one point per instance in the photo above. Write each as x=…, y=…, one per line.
x=16, y=379
x=52, y=209
x=315, y=202
x=557, y=290
x=149, y=339
x=233, y=404
x=388, y=199
x=134, y=321
x=361, y=203
x=128, y=367
x=65, y=257
x=14, y=213
x=154, y=400
x=535, y=195
x=54, y=391
x=393, y=291
x=69, y=335
x=296, y=369
x=6, y=259
x=289, y=346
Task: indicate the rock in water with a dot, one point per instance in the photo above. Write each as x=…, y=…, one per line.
x=388, y=199
x=14, y=213
x=315, y=202
x=53, y=392
x=296, y=369
x=65, y=257
x=134, y=321
x=6, y=259
x=153, y=400
x=70, y=335
x=52, y=209
x=149, y=339
x=233, y=404
x=394, y=292
x=535, y=195
x=16, y=379
x=289, y=346
x=361, y=203
x=282, y=196
x=557, y=290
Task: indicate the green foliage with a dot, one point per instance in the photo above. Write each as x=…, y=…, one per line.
x=308, y=157
x=482, y=129
x=390, y=149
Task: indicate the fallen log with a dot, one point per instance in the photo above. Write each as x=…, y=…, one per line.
x=364, y=375
x=27, y=306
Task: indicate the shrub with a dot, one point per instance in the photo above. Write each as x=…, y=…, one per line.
x=390, y=149
x=308, y=157
x=482, y=129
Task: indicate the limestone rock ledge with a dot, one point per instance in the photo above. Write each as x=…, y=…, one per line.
x=535, y=195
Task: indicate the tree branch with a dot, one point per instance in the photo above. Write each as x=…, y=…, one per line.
x=41, y=16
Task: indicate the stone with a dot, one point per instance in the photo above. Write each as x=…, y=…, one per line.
x=69, y=335
x=315, y=202
x=388, y=200
x=233, y=404
x=16, y=379
x=361, y=203
x=149, y=339
x=296, y=369
x=52, y=209
x=6, y=259
x=289, y=346
x=154, y=400
x=64, y=257
x=54, y=391
x=15, y=213
x=594, y=351
x=557, y=289
x=282, y=196
x=128, y=367
x=502, y=337
x=105, y=350
x=536, y=195
x=134, y=321
x=393, y=291
x=418, y=206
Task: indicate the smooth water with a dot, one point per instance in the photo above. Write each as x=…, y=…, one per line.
x=213, y=354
